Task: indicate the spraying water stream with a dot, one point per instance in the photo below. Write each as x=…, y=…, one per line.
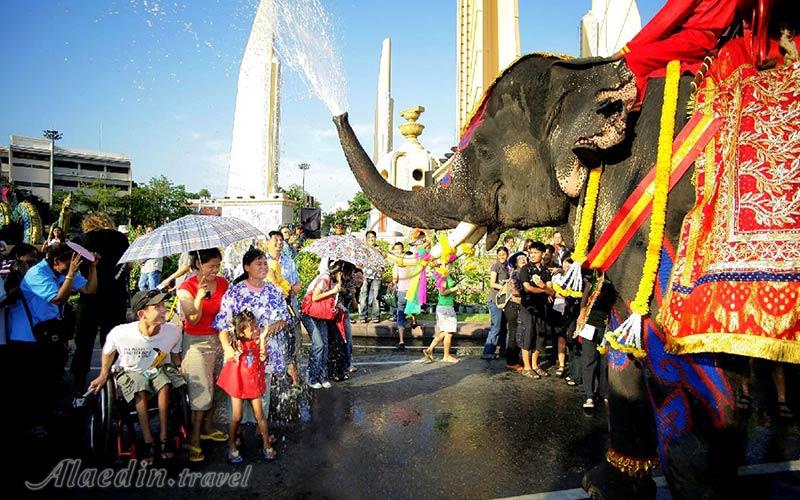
x=304, y=39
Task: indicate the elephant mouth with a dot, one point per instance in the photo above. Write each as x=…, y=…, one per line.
x=613, y=106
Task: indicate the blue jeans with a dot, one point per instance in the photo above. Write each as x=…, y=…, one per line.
x=496, y=316
x=318, y=356
x=348, y=349
x=400, y=317
x=368, y=299
x=149, y=281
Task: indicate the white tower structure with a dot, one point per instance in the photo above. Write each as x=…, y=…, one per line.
x=253, y=167
x=384, y=105
x=408, y=167
x=487, y=42
x=608, y=26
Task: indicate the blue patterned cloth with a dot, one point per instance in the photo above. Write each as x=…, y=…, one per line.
x=288, y=269
x=268, y=306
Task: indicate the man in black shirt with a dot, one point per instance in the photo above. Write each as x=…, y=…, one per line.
x=107, y=308
x=535, y=280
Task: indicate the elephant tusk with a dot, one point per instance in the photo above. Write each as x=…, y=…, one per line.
x=458, y=236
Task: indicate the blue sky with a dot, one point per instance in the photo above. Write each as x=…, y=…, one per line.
x=156, y=80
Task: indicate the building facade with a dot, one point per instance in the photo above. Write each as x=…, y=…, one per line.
x=26, y=162
x=608, y=26
x=487, y=42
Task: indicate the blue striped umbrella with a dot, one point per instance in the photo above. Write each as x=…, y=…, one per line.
x=187, y=234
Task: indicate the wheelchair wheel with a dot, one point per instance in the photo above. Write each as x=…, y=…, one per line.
x=180, y=414
x=101, y=423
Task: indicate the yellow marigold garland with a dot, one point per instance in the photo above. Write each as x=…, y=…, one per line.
x=628, y=337
x=571, y=285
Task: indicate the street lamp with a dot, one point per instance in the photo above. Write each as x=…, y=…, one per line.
x=53, y=135
x=303, y=167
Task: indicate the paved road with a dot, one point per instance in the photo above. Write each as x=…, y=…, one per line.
x=404, y=429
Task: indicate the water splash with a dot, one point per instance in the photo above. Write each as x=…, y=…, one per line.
x=305, y=42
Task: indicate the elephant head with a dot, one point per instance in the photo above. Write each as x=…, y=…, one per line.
x=520, y=161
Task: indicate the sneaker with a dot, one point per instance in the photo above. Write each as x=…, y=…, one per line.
x=589, y=403
x=401, y=347
x=326, y=385
x=316, y=385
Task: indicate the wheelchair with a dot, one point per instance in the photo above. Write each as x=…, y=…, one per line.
x=112, y=422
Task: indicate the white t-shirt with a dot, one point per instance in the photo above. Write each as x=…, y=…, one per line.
x=137, y=352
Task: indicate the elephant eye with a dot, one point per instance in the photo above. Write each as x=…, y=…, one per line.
x=482, y=150
x=609, y=107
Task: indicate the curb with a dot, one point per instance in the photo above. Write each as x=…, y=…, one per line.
x=426, y=329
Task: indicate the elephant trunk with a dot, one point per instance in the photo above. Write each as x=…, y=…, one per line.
x=430, y=208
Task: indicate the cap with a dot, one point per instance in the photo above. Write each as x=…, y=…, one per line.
x=145, y=298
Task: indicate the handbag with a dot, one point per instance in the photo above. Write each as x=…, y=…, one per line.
x=52, y=331
x=319, y=309
x=504, y=295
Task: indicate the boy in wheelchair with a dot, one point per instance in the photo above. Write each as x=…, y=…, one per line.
x=142, y=368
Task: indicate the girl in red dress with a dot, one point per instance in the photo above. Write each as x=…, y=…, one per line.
x=242, y=377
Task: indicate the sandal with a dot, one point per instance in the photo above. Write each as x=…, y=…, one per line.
x=571, y=382
x=167, y=448
x=784, y=411
x=268, y=454
x=428, y=355
x=744, y=402
x=530, y=374
x=195, y=453
x=560, y=371
x=541, y=372
x=235, y=458
x=215, y=435
x=149, y=453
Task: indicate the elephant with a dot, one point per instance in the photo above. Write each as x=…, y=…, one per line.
x=522, y=162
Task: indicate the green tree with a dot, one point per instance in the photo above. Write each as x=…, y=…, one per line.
x=295, y=193
x=204, y=193
x=157, y=202
x=98, y=197
x=354, y=216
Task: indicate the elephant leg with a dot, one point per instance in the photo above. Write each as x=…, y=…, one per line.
x=632, y=437
x=701, y=442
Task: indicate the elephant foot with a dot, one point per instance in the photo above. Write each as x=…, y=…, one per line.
x=606, y=482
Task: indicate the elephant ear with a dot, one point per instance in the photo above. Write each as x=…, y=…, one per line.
x=525, y=71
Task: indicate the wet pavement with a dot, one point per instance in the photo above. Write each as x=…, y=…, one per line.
x=401, y=428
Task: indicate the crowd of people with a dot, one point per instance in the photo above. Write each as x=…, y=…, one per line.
x=527, y=314
x=236, y=333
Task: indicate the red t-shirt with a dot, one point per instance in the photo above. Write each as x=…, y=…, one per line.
x=210, y=306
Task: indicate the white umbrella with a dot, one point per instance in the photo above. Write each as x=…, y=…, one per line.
x=187, y=234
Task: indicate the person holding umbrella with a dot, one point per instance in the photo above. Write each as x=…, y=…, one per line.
x=322, y=292
x=200, y=298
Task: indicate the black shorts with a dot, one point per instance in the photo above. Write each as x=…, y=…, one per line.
x=531, y=331
x=555, y=322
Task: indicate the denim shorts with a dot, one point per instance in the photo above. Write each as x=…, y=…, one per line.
x=400, y=317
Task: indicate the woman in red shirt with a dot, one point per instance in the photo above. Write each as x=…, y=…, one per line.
x=200, y=298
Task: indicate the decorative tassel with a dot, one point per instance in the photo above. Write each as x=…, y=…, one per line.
x=572, y=283
x=628, y=337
